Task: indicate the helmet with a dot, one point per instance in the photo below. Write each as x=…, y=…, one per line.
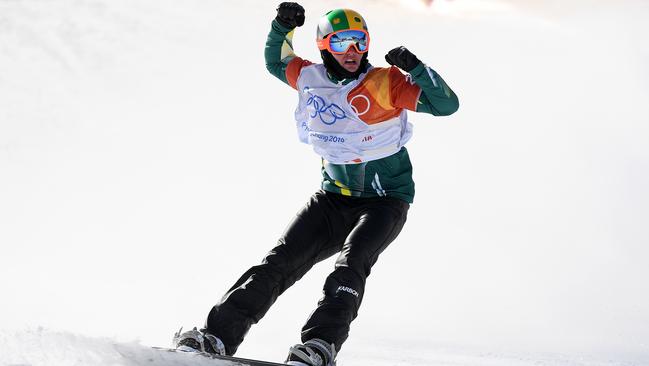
x=337, y=20
x=340, y=19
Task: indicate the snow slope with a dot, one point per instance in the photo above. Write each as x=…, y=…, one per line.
x=45, y=348
x=49, y=348
x=138, y=142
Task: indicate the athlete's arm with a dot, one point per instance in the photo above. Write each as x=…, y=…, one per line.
x=281, y=61
x=436, y=96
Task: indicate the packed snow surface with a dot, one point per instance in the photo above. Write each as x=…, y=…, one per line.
x=46, y=348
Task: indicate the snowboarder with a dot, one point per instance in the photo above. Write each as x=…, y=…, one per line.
x=354, y=116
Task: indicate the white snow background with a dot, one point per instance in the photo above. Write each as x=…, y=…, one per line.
x=147, y=159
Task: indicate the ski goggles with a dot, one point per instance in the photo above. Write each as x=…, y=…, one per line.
x=339, y=42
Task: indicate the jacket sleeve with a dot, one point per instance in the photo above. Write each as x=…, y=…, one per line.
x=281, y=61
x=436, y=97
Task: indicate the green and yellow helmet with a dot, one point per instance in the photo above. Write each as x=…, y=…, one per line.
x=340, y=19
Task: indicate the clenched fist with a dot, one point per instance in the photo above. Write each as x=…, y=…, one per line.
x=402, y=58
x=290, y=15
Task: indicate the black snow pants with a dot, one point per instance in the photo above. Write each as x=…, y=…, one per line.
x=357, y=228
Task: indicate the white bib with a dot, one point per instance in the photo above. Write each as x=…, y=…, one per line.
x=327, y=121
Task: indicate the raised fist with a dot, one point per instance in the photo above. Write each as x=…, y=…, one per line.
x=402, y=58
x=290, y=15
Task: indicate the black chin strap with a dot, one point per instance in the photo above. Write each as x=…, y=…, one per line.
x=339, y=72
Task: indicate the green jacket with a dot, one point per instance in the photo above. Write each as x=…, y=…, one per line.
x=423, y=90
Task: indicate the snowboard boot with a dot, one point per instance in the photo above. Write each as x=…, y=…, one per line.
x=314, y=352
x=197, y=341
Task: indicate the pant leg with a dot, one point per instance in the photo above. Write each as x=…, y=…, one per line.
x=312, y=236
x=378, y=225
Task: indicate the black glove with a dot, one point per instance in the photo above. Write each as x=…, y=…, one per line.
x=290, y=15
x=402, y=58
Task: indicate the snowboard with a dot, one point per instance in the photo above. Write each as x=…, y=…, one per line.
x=235, y=361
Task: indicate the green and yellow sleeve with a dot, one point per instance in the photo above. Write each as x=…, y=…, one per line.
x=281, y=61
